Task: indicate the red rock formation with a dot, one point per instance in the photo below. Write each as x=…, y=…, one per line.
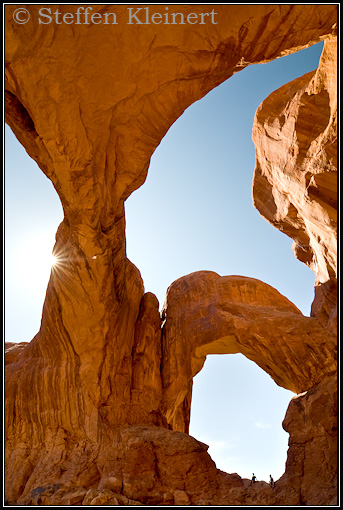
x=12, y=351
x=311, y=421
x=209, y=314
x=88, y=410
x=295, y=181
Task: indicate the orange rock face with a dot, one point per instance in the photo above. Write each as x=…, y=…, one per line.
x=97, y=404
x=311, y=421
x=12, y=350
x=295, y=181
x=209, y=314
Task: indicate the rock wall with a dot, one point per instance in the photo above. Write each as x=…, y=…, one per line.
x=93, y=413
x=295, y=180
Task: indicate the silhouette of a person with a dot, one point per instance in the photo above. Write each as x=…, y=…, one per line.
x=271, y=481
x=253, y=478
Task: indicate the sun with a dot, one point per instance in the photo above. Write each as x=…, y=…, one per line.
x=36, y=261
x=54, y=260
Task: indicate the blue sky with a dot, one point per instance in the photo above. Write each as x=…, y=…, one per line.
x=194, y=212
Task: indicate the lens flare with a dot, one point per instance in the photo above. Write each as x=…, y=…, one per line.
x=54, y=261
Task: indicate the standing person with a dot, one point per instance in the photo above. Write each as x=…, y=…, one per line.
x=271, y=481
x=253, y=478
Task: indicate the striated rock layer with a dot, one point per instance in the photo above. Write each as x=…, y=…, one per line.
x=97, y=404
x=12, y=351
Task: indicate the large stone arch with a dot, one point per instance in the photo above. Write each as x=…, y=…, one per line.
x=208, y=314
x=89, y=401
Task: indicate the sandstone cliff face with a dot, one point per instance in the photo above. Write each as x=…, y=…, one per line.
x=91, y=401
x=295, y=181
x=311, y=421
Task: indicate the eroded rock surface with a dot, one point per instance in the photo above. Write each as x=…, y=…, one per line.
x=90, y=401
x=295, y=181
x=311, y=421
x=208, y=314
x=13, y=350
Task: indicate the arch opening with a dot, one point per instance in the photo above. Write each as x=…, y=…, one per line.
x=195, y=210
x=237, y=410
x=195, y=213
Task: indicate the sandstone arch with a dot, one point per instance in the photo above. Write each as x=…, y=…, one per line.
x=208, y=314
x=87, y=394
